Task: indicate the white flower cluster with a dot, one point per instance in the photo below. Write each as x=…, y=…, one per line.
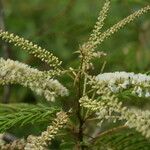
x=14, y=72
x=110, y=108
x=102, y=109
x=117, y=81
x=140, y=120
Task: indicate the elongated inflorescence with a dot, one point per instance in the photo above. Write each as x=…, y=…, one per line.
x=14, y=72
x=41, y=142
x=119, y=81
x=122, y=23
x=109, y=107
x=100, y=23
x=87, y=50
x=37, y=51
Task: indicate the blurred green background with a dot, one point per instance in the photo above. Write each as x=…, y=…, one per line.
x=62, y=25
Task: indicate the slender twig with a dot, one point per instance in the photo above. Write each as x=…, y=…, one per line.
x=103, y=66
x=79, y=109
x=84, y=86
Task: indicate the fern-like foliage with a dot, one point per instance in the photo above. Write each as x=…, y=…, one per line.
x=120, y=138
x=22, y=114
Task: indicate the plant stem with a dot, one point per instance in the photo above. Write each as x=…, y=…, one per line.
x=79, y=109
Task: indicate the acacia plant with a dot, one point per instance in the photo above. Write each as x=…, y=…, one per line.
x=94, y=116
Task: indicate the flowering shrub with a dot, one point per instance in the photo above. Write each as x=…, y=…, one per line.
x=97, y=98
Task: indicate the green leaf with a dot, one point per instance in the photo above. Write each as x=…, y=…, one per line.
x=22, y=114
x=124, y=139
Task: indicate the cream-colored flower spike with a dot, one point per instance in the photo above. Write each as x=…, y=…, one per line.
x=118, y=81
x=37, y=51
x=100, y=22
x=41, y=142
x=122, y=23
x=111, y=108
x=87, y=50
x=14, y=72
